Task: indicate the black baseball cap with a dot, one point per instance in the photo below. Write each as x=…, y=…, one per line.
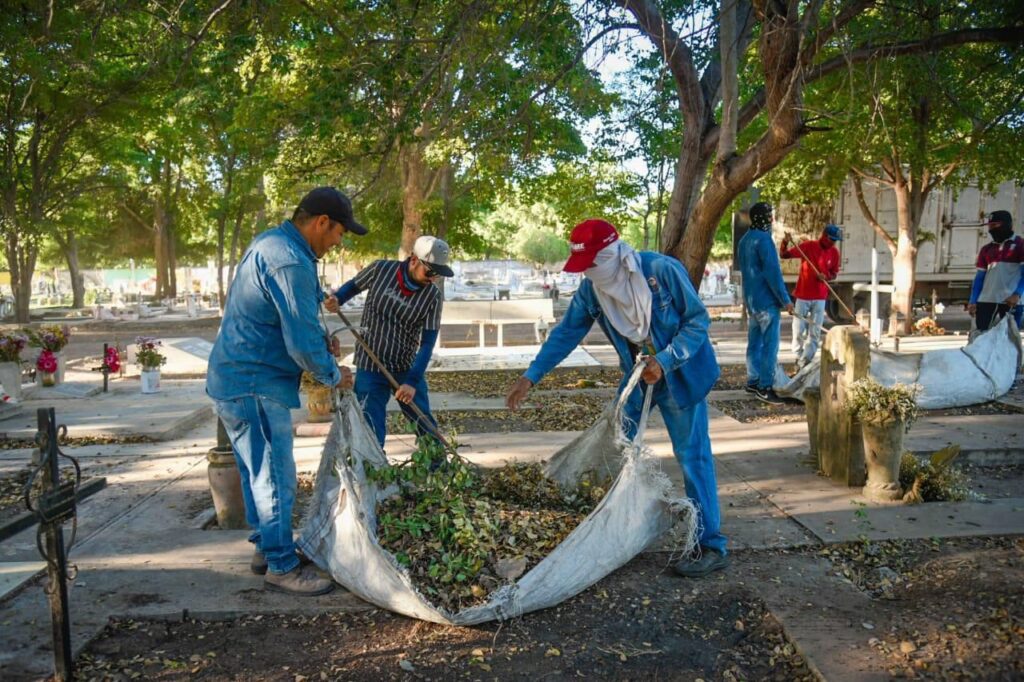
x=329, y=201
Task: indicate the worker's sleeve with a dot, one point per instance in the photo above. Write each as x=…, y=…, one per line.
x=564, y=338
x=294, y=292
x=693, y=320
x=346, y=292
x=361, y=282
x=428, y=339
x=979, y=282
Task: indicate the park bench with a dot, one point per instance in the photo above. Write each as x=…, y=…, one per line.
x=537, y=311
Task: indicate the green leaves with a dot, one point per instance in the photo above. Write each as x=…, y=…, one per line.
x=462, y=533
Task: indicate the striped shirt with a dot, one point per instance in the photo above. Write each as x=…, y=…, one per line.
x=393, y=320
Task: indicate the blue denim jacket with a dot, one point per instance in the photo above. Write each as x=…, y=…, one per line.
x=679, y=331
x=270, y=331
x=763, y=287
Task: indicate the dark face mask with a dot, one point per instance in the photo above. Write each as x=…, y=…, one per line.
x=1000, y=232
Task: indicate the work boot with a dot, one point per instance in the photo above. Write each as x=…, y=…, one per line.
x=258, y=565
x=768, y=395
x=302, y=581
x=698, y=566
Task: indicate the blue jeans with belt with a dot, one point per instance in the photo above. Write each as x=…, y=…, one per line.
x=691, y=444
x=373, y=391
x=260, y=430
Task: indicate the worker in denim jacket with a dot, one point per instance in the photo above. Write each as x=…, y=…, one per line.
x=765, y=296
x=646, y=306
x=270, y=333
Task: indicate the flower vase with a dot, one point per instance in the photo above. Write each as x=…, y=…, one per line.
x=883, y=449
x=150, y=377
x=47, y=378
x=10, y=379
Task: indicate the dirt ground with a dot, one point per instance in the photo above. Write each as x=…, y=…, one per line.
x=954, y=609
x=941, y=610
x=640, y=623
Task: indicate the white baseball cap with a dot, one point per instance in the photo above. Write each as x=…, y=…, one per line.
x=435, y=253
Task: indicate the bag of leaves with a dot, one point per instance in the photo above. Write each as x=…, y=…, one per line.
x=461, y=550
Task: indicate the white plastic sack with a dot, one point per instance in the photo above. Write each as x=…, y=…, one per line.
x=339, y=531
x=982, y=370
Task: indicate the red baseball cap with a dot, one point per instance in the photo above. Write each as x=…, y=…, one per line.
x=585, y=241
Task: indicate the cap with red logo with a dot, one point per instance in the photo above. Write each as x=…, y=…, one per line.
x=585, y=241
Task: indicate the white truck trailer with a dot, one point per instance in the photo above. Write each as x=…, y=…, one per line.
x=945, y=264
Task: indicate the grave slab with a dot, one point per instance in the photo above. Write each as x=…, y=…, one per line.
x=123, y=411
x=186, y=356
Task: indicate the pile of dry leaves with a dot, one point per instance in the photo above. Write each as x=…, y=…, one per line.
x=462, y=533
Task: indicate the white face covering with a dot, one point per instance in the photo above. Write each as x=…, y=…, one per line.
x=622, y=290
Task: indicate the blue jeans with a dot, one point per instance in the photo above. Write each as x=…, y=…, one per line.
x=688, y=431
x=260, y=430
x=806, y=336
x=374, y=391
x=763, y=347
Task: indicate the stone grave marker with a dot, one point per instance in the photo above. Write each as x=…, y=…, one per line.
x=845, y=358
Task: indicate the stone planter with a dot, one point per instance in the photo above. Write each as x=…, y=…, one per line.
x=812, y=403
x=10, y=379
x=883, y=449
x=226, y=489
x=150, y=379
x=319, y=404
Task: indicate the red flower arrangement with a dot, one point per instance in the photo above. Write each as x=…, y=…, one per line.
x=47, y=362
x=112, y=361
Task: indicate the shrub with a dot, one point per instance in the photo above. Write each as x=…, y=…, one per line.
x=870, y=401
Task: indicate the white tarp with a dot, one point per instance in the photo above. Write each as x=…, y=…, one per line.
x=339, y=530
x=982, y=370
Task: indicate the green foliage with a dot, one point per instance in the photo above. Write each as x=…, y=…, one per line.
x=457, y=530
x=933, y=482
x=870, y=401
x=540, y=246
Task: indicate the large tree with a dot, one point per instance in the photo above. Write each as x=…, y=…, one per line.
x=65, y=68
x=778, y=48
x=438, y=98
x=910, y=126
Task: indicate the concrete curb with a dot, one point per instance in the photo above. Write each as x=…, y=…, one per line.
x=180, y=427
x=27, y=519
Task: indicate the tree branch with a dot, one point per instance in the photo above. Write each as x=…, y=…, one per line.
x=868, y=215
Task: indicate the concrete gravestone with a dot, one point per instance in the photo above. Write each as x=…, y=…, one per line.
x=845, y=358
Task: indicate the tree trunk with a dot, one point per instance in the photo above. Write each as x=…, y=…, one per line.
x=160, y=245
x=904, y=260
x=172, y=265
x=21, y=259
x=221, y=220
x=22, y=296
x=233, y=256
x=70, y=248
x=414, y=180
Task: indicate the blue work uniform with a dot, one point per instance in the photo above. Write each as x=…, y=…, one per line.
x=679, y=332
x=764, y=295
